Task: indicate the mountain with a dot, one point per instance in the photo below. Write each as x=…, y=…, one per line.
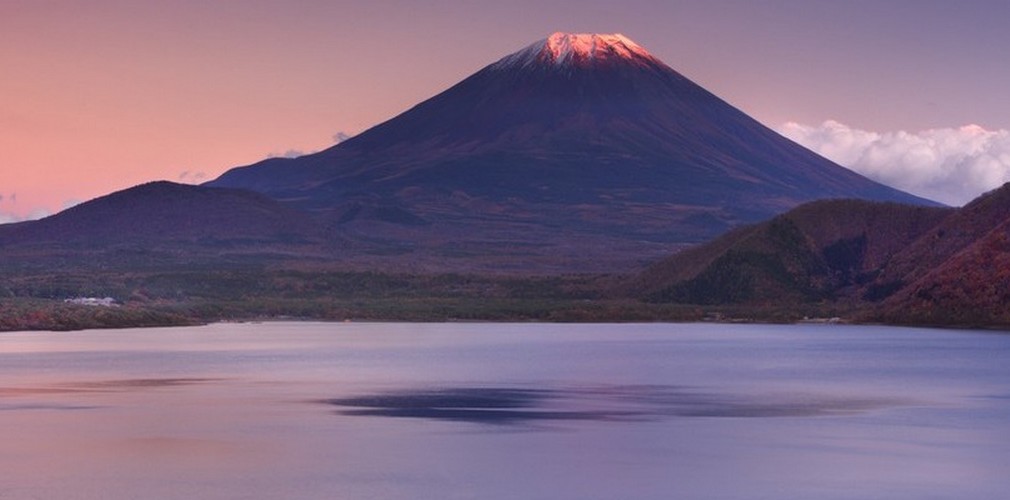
x=580, y=152
x=164, y=218
x=824, y=250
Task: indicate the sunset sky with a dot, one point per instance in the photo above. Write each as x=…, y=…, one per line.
x=100, y=95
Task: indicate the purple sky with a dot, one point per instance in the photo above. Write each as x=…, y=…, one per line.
x=100, y=95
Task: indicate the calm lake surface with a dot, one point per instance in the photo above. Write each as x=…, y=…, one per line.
x=517, y=411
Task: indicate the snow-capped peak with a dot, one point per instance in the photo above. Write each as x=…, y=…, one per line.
x=564, y=47
x=578, y=49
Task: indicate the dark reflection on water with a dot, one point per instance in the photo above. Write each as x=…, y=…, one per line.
x=515, y=405
x=466, y=404
x=463, y=397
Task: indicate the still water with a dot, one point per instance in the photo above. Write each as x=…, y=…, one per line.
x=524, y=411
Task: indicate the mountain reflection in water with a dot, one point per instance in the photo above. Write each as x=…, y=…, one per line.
x=513, y=405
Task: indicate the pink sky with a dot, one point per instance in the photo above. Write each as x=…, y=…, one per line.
x=101, y=95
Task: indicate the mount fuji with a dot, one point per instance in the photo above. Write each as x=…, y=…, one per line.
x=578, y=152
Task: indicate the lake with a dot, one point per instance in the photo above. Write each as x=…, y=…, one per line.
x=517, y=411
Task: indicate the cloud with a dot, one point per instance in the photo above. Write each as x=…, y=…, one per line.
x=950, y=165
x=7, y=217
x=192, y=177
x=38, y=213
x=291, y=153
x=339, y=137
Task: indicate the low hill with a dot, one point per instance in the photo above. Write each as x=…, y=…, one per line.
x=880, y=262
x=823, y=250
x=166, y=218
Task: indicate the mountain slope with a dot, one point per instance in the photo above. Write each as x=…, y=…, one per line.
x=964, y=228
x=972, y=288
x=956, y=274
x=821, y=250
x=579, y=152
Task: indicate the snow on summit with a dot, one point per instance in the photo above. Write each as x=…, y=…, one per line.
x=579, y=49
x=564, y=47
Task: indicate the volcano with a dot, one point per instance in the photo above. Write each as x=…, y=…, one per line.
x=579, y=152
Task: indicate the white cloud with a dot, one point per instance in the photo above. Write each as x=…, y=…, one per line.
x=950, y=165
x=38, y=213
x=191, y=177
x=291, y=153
x=9, y=211
x=338, y=137
x=6, y=217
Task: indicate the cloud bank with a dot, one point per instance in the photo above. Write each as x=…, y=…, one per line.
x=950, y=165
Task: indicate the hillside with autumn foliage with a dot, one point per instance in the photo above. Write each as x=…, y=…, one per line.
x=878, y=262
x=962, y=275
x=821, y=251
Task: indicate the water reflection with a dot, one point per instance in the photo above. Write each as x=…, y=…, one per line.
x=102, y=386
x=45, y=406
x=140, y=383
x=465, y=404
x=58, y=390
x=587, y=412
x=518, y=405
